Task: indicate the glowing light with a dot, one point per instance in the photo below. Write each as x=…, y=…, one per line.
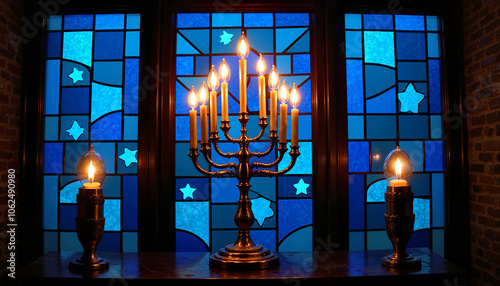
x=274, y=78
x=213, y=79
x=295, y=96
x=398, y=169
x=243, y=47
x=261, y=66
x=224, y=71
x=192, y=98
x=91, y=172
x=203, y=94
x=283, y=92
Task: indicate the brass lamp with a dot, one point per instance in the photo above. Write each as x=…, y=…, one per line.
x=399, y=219
x=91, y=172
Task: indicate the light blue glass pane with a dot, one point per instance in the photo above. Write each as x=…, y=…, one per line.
x=411, y=98
x=182, y=166
x=410, y=46
x=383, y=103
x=191, y=20
x=299, y=240
x=303, y=165
x=226, y=20
x=112, y=213
x=414, y=149
x=69, y=242
x=68, y=192
x=258, y=19
x=130, y=242
x=410, y=22
x=380, y=149
x=432, y=23
x=356, y=202
x=413, y=126
x=356, y=241
x=434, y=156
x=378, y=79
x=132, y=43
x=108, y=46
x=352, y=21
x=262, y=210
x=433, y=45
x=293, y=213
x=377, y=22
x=50, y=241
x=438, y=200
x=292, y=19
x=263, y=186
x=51, y=128
x=359, y=160
x=202, y=65
x=283, y=64
x=353, y=46
x=74, y=128
x=112, y=186
x=259, y=40
x=55, y=22
x=355, y=127
x=193, y=217
x=52, y=76
x=77, y=46
x=301, y=63
x=127, y=157
x=108, y=72
x=184, y=66
x=380, y=127
x=133, y=21
x=50, y=209
x=75, y=74
x=109, y=21
x=78, y=22
x=221, y=41
x=52, y=157
x=285, y=37
x=130, y=202
x=375, y=216
x=435, y=86
x=183, y=47
x=107, y=151
x=131, y=92
x=199, y=40
x=130, y=130
x=301, y=46
x=379, y=48
x=421, y=209
x=410, y=71
x=105, y=99
x=376, y=191
x=354, y=86
x=436, y=128
x=377, y=240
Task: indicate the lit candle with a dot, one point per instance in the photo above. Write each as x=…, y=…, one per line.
x=261, y=70
x=92, y=184
x=224, y=74
x=203, y=98
x=283, y=96
x=243, y=50
x=398, y=181
x=295, y=101
x=274, y=79
x=213, y=84
x=193, y=102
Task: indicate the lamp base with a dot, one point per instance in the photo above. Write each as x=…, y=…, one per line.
x=96, y=264
x=254, y=258
x=401, y=262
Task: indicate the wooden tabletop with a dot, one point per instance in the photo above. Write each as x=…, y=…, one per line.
x=304, y=268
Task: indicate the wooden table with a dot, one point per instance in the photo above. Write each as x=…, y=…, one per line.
x=296, y=268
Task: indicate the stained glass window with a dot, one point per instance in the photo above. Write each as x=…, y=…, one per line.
x=205, y=207
x=393, y=67
x=91, y=98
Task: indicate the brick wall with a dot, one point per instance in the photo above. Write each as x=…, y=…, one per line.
x=11, y=14
x=481, y=22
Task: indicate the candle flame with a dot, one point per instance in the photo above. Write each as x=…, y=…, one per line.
x=283, y=93
x=213, y=79
x=274, y=78
x=243, y=47
x=192, y=98
x=203, y=94
x=261, y=66
x=398, y=169
x=224, y=71
x=91, y=172
x=295, y=96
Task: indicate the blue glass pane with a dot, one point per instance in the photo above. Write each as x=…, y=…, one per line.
x=112, y=213
x=378, y=79
x=108, y=72
x=382, y=103
x=107, y=151
x=196, y=41
x=105, y=99
x=420, y=184
x=355, y=127
x=421, y=209
x=110, y=241
x=109, y=21
x=290, y=187
x=413, y=126
x=376, y=191
x=226, y=20
x=292, y=19
x=359, y=160
x=202, y=65
x=410, y=46
x=53, y=45
x=420, y=238
x=438, y=241
x=52, y=75
x=436, y=129
x=184, y=65
x=112, y=186
x=73, y=152
x=379, y=48
x=263, y=187
x=77, y=46
x=433, y=45
x=356, y=240
x=377, y=240
x=264, y=210
x=222, y=215
x=108, y=127
x=50, y=241
x=67, y=217
x=283, y=64
x=78, y=22
x=432, y=23
x=303, y=165
x=352, y=21
x=183, y=169
x=182, y=127
x=435, y=86
x=224, y=190
x=187, y=242
x=258, y=19
x=353, y=46
x=131, y=92
x=130, y=202
x=356, y=201
x=354, y=86
x=132, y=43
x=293, y=214
x=285, y=37
x=74, y=128
x=434, y=156
x=75, y=74
x=193, y=217
x=259, y=40
x=410, y=71
x=301, y=63
x=380, y=149
x=375, y=216
x=299, y=240
x=69, y=242
x=377, y=22
x=51, y=128
x=267, y=238
x=410, y=22
x=55, y=22
x=52, y=157
x=191, y=189
x=133, y=21
x=127, y=158
x=108, y=45
x=130, y=242
x=380, y=127
x=192, y=20
x=438, y=206
x=50, y=209
x=301, y=46
x=414, y=149
x=130, y=130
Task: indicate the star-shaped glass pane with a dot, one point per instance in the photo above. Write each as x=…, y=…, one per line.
x=187, y=192
x=301, y=187
x=76, y=130
x=128, y=156
x=261, y=208
x=410, y=99
x=225, y=37
x=76, y=75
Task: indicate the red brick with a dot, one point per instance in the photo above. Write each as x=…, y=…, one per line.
x=491, y=145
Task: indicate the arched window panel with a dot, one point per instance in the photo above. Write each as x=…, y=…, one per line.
x=205, y=207
x=91, y=98
x=393, y=68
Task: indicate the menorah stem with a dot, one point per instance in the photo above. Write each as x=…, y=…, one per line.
x=244, y=218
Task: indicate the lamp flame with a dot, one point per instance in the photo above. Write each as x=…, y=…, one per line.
x=243, y=47
x=398, y=169
x=192, y=98
x=224, y=71
x=213, y=79
x=295, y=96
x=274, y=78
x=283, y=92
x=261, y=66
x=91, y=172
x=203, y=94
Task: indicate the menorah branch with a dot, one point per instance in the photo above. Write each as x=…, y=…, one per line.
x=194, y=157
x=282, y=150
x=262, y=125
x=214, y=139
x=205, y=150
x=225, y=129
x=294, y=153
x=273, y=136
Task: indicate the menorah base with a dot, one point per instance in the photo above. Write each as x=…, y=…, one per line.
x=95, y=264
x=255, y=258
x=407, y=261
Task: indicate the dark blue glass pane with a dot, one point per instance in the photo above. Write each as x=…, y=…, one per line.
x=292, y=19
x=356, y=202
x=434, y=156
x=78, y=22
x=410, y=22
x=356, y=240
x=433, y=45
x=132, y=44
x=435, y=86
x=131, y=92
x=133, y=21
x=432, y=23
x=186, y=242
x=129, y=241
x=301, y=63
x=74, y=128
x=69, y=242
x=108, y=45
x=129, y=202
x=130, y=130
x=107, y=151
x=258, y=19
x=380, y=127
x=437, y=200
x=377, y=22
x=413, y=126
x=67, y=214
x=184, y=66
x=410, y=71
x=359, y=157
x=293, y=214
x=112, y=186
x=75, y=74
x=202, y=65
x=410, y=46
x=414, y=149
x=353, y=46
x=50, y=241
x=301, y=46
x=110, y=242
x=191, y=189
x=379, y=48
x=375, y=216
x=354, y=86
x=73, y=152
x=383, y=103
x=55, y=22
x=290, y=187
x=50, y=209
x=285, y=37
x=224, y=190
x=190, y=20
x=226, y=20
x=436, y=129
x=52, y=157
x=199, y=41
x=420, y=239
x=352, y=21
x=378, y=79
x=259, y=40
x=182, y=127
x=75, y=100
x=380, y=149
x=108, y=72
x=109, y=21
x=127, y=158
x=300, y=240
x=108, y=127
x=52, y=76
x=53, y=45
x=183, y=169
x=267, y=238
x=420, y=184
x=51, y=128
x=222, y=215
x=356, y=127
